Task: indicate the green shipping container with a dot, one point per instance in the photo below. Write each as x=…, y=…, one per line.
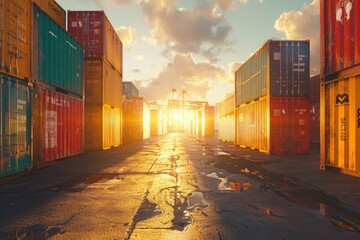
x=57, y=57
x=15, y=126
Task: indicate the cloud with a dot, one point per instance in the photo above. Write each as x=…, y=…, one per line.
x=101, y=3
x=127, y=35
x=200, y=29
x=304, y=24
x=139, y=57
x=183, y=73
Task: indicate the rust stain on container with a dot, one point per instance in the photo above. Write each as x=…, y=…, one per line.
x=95, y=32
x=15, y=38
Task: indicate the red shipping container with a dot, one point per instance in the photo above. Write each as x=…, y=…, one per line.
x=315, y=122
x=314, y=96
x=57, y=125
x=340, y=35
x=95, y=32
x=289, y=125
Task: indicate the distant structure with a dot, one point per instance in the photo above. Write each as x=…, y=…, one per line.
x=129, y=89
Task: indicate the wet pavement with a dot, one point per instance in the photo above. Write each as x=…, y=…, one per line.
x=181, y=186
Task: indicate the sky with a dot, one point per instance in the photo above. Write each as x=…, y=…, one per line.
x=196, y=45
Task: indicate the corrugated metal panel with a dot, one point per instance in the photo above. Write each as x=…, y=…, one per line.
x=58, y=125
x=15, y=37
x=342, y=125
x=289, y=125
x=15, y=126
x=133, y=116
x=54, y=10
x=314, y=96
x=278, y=68
x=57, y=57
x=227, y=128
x=227, y=105
x=209, y=121
x=103, y=84
x=340, y=35
x=95, y=32
x=315, y=122
x=102, y=127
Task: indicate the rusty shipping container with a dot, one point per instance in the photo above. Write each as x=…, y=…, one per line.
x=15, y=38
x=57, y=56
x=95, y=32
x=276, y=125
x=341, y=125
x=57, y=126
x=227, y=119
x=54, y=10
x=103, y=84
x=340, y=36
x=15, y=126
x=102, y=127
x=278, y=68
x=136, y=124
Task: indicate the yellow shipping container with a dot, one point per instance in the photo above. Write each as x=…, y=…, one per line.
x=102, y=127
x=15, y=36
x=103, y=84
x=54, y=10
x=340, y=125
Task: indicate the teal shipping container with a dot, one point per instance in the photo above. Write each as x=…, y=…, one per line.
x=15, y=126
x=57, y=57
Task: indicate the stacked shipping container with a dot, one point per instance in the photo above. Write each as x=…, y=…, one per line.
x=103, y=77
x=129, y=89
x=271, y=99
x=315, y=108
x=340, y=84
x=136, y=124
x=227, y=119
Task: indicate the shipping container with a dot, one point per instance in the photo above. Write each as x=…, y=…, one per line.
x=278, y=68
x=340, y=36
x=15, y=38
x=57, y=126
x=158, y=122
x=275, y=125
x=315, y=122
x=342, y=125
x=226, y=116
x=136, y=115
x=57, y=57
x=54, y=10
x=129, y=89
x=102, y=127
x=209, y=127
x=15, y=126
x=95, y=32
x=314, y=96
x=103, y=84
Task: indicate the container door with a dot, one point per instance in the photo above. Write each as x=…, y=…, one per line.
x=15, y=143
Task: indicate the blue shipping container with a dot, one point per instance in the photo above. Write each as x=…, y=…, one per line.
x=15, y=126
x=57, y=56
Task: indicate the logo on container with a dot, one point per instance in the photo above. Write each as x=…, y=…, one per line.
x=342, y=98
x=341, y=7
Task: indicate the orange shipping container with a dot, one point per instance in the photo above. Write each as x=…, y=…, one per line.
x=209, y=121
x=341, y=125
x=54, y=10
x=103, y=84
x=276, y=125
x=15, y=35
x=102, y=127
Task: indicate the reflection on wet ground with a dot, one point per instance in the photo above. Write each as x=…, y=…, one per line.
x=291, y=189
x=36, y=231
x=230, y=185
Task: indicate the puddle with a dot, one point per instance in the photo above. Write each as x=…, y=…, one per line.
x=222, y=154
x=293, y=190
x=35, y=232
x=230, y=185
x=196, y=199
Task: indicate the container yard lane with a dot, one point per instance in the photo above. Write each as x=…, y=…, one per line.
x=176, y=186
